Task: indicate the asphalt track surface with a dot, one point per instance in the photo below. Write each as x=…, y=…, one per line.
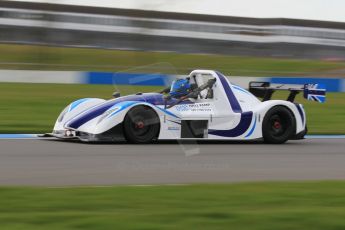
x=57, y=163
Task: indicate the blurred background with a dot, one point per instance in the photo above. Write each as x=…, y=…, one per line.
x=56, y=51
x=109, y=27
x=73, y=48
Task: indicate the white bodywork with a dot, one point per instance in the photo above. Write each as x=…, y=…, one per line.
x=232, y=113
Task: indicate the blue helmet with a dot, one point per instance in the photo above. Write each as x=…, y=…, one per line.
x=180, y=88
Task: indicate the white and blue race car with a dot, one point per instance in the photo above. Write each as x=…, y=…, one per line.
x=205, y=105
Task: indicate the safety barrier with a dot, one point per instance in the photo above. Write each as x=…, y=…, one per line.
x=80, y=77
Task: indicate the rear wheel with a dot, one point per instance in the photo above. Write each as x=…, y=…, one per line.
x=279, y=125
x=141, y=125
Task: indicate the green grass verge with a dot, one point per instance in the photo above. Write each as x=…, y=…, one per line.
x=33, y=108
x=58, y=58
x=297, y=205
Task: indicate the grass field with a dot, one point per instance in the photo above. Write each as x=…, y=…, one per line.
x=58, y=58
x=33, y=108
x=307, y=205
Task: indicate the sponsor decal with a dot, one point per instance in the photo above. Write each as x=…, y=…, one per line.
x=197, y=107
x=173, y=128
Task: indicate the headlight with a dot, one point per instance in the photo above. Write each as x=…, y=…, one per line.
x=107, y=113
x=62, y=114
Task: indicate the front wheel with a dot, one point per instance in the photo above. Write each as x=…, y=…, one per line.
x=278, y=126
x=141, y=125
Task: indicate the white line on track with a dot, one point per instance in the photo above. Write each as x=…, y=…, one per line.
x=325, y=136
x=35, y=136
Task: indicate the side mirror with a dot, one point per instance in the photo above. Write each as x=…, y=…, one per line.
x=116, y=94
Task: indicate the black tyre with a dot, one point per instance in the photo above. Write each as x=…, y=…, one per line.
x=141, y=125
x=279, y=125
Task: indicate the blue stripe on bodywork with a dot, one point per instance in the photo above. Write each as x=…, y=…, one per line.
x=241, y=128
x=300, y=112
x=230, y=95
x=252, y=129
x=241, y=89
x=89, y=115
x=123, y=106
x=167, y=112
x=154, y=99
x=76, y=103
x=246, y=117
x=178, y=123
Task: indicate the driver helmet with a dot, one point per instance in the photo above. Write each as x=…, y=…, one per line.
x=180, y=88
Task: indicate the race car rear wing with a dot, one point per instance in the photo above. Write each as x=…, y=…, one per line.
x=265, y=90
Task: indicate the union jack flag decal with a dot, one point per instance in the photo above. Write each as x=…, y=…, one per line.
x=315, y=92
